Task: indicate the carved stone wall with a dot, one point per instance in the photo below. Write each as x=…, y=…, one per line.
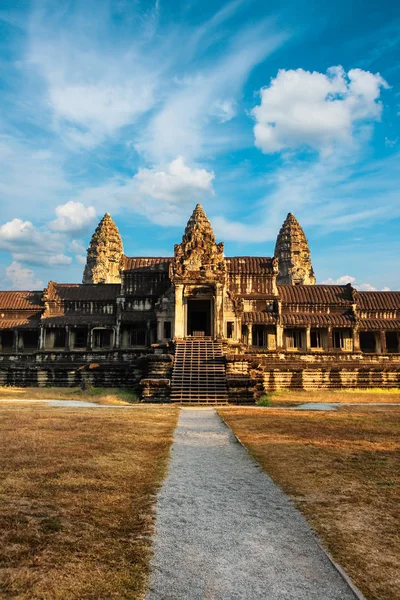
x=293, y=254
x=104, y=254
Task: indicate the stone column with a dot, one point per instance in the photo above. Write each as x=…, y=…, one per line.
x=179, y=313
x=330, y=339
x=383, y=342
x=218, y=312
x=279, y=337
x=90, y=338
x=67, y=340
x=42, y=338
x=250, y=337
x=308, y=339
x=16, y=341
x=356, y=340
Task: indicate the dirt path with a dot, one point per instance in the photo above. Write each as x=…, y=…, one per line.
x=226, y=532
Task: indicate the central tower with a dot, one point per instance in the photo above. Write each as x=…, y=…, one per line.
x=198, y=274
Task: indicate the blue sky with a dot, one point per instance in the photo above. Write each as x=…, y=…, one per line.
x=254, y=109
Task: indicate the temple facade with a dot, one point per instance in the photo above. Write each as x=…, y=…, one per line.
x=275, y=327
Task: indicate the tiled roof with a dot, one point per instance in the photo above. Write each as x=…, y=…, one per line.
x=153, y=263
x=262, y=317
x=315, y=294
x=21, y=300
x=378, y=300
x=20, y=323
x=106, y=292
x=249, y=265
x=380, y=324
x=317, y=319
x=78, y=320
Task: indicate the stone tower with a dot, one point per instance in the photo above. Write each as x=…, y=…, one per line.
x=293, y=254
x=199, y=250
x=104, y=254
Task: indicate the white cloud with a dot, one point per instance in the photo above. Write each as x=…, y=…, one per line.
x=318, y=110
x=33, y=246
x=72, y=217
x=162, y=194
x=174, y=183
x=22, y=278
x=345, y=279
x=80, y=259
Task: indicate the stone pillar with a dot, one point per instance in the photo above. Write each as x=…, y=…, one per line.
x=67, y=340
x=179, y=313
x=218, y=312
x=117, y=334
x=250, y=337
x=42, y=338
x=279, y=337
x=383, y=342
x=160, y=332
x=90, y=339
x=308, y=339
x=330, y=339
x=356, y=340
x=16, y=341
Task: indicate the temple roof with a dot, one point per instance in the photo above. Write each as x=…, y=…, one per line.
x=249, y=265
x=149, y=263
x=60, y=292
x=378, y=300
x=21, y=300
x=316, y=294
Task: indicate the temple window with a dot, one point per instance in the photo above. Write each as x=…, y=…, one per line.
x=137, y=335
x=229, y=329
x=167, y=330
x=367, y=341
x=102, y=338
x=341, y=339
x=7, y=340
x=259, y=337
x=392, y=341
x=294, y=339
x=316, y=338
x=59, y=338
x=30, y=340
x=80, y=340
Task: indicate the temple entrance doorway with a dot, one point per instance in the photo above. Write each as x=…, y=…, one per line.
x=199, y=318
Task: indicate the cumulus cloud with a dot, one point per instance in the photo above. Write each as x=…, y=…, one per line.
x=345, y=279
x=73, y=217
x=303, y=108
x=174, y=183
x=22, y=278
x=33, y=246
x=163, y=194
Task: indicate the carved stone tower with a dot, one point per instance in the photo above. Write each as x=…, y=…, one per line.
x=293, y=254
x=198, y=255
x=104, y=254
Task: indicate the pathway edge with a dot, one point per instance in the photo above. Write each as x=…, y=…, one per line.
x=358, y=594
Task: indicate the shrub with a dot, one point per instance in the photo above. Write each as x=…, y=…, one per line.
x=264, y=400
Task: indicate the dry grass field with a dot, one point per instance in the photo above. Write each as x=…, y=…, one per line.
x=98, y=395
x=354, y=396
x=342, y=469
x=77, y=498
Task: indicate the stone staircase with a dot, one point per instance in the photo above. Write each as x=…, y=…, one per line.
x=199, y=374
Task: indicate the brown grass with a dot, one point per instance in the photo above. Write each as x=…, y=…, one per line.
x=287, y=397
x=77, y=497
x=342, y=469
x=98, y=395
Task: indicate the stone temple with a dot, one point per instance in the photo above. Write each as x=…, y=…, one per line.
x=199, y=326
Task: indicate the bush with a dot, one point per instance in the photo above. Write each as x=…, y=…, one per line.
x=264, y=400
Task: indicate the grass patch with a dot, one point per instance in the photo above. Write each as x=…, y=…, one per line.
x=92, y=394
x=77, y=492
x=342, y=469
x=372, y=395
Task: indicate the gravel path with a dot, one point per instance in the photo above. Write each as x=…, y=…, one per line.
x=224, y=531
